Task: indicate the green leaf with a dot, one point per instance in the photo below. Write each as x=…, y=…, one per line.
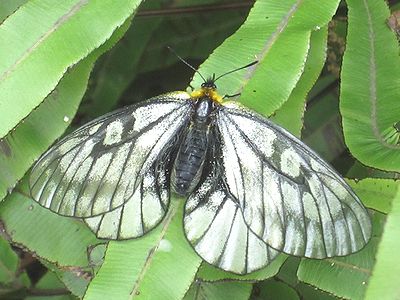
x=8, y=262
x=49, y=284
x=219, y=291
x=32, y=137
x=117, y=72
x=311, y=293
x=288, y=275
x=322, y=130
x=75, y=279
x=210, y=273
x=273, y=289
x=290, y=45
x=193, y=37
x=145, y=46
x=369, y=86
x=376, y=193
x=290, y=115
x=358, y=170
x=20, y=148
x=7, y=7
x=35, y=55
x=347, y=276
x=384, y=282
x=277, y=33
x=159, y=265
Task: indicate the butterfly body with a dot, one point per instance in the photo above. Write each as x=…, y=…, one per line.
x=253, y=189
x=197, y=141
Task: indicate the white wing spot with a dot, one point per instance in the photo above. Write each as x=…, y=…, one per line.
x=290, y=163
x=113, y=133
x=260, y=135
x=115, y=170
x=148, y=179
x=338, y=188
x=99, y=167
x=82, y=170
x=215, y=201
x=69, y=144
x=51, y=186
x=76, y=158
x=319, y=167
x=147, y=114
x=94, y=129
x=67, y=159
x=310, y=208
x=291, y=197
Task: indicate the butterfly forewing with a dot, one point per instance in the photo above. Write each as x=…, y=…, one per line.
x=289, y=197
x=99, y=167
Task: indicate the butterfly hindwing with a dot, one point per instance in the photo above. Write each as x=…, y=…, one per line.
x=142, y=211
x=100, y=166
x=290, y=198
x=215, y=227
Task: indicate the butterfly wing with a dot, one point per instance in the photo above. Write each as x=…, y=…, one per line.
x=290, y=198
x=143, y=211
x=111, y=160
x=215, y=227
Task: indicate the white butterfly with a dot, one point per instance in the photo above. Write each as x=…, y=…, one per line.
x=253, y=189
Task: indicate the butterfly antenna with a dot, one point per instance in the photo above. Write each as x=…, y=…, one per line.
x=235, y=70
x=186, y=63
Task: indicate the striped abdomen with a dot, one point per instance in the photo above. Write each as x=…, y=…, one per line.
x=192, y=152
x=189, y=162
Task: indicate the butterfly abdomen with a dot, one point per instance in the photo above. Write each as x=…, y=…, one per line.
x=192, y=152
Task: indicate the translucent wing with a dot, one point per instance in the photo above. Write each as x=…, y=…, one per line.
x=215, y=227
x=111, y=160
x=143, y=210
x=290, y=197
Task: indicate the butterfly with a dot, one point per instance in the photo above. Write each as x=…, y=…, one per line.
x=253, y=189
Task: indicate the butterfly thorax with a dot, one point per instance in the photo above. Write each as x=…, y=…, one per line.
x=192, y=152
x=208, y=90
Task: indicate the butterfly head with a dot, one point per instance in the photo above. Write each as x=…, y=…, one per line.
x=209, y=83
x=208, y=90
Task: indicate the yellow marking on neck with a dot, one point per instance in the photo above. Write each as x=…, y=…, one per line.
x=207, y=92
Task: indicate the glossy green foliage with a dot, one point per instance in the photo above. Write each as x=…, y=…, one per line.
x=41, y=57
x=145, y=266
x=219, y=291
x=385, y=274
x=46, y=68
x=347, y=276
x=369, y=90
